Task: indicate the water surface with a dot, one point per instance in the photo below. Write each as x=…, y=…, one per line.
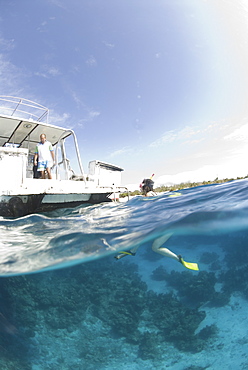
x=67, y=303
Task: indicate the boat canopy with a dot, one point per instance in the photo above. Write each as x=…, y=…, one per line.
x=22, y=122
x=26, y=133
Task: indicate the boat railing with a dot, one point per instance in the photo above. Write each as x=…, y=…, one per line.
x=118, y=190
x=66, y=161
x=23, y=108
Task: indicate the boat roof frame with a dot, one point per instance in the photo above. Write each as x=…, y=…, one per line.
x=25, y=131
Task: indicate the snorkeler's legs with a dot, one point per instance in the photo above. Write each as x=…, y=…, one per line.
x=156, y=247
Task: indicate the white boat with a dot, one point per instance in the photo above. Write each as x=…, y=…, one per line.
x=21, y=124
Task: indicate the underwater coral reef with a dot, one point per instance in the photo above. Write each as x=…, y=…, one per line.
x=71, y=301
x=89, y=316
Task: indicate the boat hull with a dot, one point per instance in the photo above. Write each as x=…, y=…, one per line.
x=21, y=205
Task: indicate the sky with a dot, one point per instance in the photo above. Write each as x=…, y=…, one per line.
x=152, y=86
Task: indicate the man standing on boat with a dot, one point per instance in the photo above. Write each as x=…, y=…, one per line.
x=45, y=154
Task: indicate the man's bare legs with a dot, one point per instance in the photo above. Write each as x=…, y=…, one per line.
x=43, y=173
x=49, y=173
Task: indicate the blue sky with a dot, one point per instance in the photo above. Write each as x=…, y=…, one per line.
x=152, y=86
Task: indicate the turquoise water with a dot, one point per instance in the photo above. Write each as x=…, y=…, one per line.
x=66, y=303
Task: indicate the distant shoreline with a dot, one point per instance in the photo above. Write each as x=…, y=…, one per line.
x=184, y=185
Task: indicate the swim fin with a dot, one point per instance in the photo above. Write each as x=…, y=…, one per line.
x=189, y=265
x=124, y=254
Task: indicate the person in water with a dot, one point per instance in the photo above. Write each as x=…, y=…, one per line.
x=45, y=154
x=147, y=188
x=157, y=245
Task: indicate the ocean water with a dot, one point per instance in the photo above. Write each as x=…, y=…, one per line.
x=67, y=303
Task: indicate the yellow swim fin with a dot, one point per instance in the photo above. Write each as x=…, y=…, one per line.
x=174, y=195
x=189, y=265
x=124, y=254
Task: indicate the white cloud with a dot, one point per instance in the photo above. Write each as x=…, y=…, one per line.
x=48, y=71
x=10, y=77
x=120, y=152
x=109, y=45
x=41, y=74
x=90, y=115
x=13, y=81
x=76, y=98
x=91, y=61
x=42, y=27
x=58, y=119
x=7, y=45
x=93, y=114
x=200, y=174
x=239, y=134
x=231, y=169
x=192, y=134
x=53, y=71
x=203, y=151
x=173, y=135
x=168, y=137
x=76, y=68
x=58, y=3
